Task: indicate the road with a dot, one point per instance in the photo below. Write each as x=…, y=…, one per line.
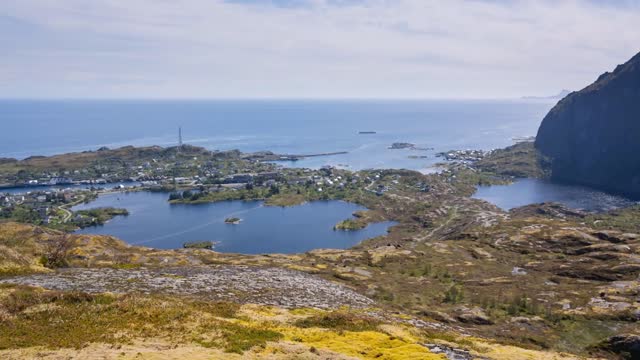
x=68, y=213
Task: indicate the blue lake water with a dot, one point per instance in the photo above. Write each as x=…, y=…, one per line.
x=298, y=127
x=153, y=222
x=532, y=191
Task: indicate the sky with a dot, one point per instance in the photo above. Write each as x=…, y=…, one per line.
x=310, y=48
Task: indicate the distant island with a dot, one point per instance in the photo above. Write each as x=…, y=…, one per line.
x=366, y=132
x=519, y=139
x=401, y=145
x=406, y=145
x=561, y=95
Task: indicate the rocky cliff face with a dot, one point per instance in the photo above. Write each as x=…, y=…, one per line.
x=593, y=136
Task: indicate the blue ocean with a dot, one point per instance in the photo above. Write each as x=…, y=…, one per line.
x=295, y=127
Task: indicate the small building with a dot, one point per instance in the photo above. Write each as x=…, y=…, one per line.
x=239, y=178
x=270, y=175
x=43, y=212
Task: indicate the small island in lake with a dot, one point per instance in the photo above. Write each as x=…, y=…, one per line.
x=361, y=219
x=99, y=216
x=232, y=220
x=350, y=225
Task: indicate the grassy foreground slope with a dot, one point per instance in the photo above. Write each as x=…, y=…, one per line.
x=127, y=322
x=454, y=274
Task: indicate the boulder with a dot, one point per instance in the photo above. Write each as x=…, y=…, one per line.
x=473, y=316
x=626, y=345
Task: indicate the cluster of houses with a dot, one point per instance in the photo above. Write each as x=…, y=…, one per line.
x=40, y=202
x=320, y=179
x=464, y=155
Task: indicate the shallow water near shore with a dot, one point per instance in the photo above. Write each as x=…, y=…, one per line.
x=153, y=222
x=532, y=191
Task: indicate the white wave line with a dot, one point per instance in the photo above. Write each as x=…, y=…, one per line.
x=215, y=220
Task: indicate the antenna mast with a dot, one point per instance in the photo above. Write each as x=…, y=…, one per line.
x=180, y=137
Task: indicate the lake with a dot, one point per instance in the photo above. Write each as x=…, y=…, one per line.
x=531, y=191
x=294, y=126
x=153, y=222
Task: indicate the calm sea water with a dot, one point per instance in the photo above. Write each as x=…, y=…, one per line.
x=298, y=127
x=153, y=222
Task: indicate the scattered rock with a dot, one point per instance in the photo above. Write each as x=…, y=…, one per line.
x=479, y=253
x=449, y=352
x=600, y=304
x=525, y=320
x=245, y=284
x=438, y=316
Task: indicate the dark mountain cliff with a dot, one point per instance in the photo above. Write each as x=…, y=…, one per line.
x=593, y=136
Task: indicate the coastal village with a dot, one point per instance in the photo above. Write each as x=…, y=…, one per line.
x=46, y=197
x=452, y=270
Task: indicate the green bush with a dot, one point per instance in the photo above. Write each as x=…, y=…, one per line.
x=454, y=294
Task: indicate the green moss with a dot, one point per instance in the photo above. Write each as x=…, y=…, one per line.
x=16, y=271
x=627, y=220
x=236, y=338
x=72, y=320
x=338, y=320
x=454, y=294
x=126, y=266
x=582, y=333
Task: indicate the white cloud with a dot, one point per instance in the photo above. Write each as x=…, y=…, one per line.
x=368, y=48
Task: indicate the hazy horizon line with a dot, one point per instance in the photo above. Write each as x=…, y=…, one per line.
x=523, y=97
